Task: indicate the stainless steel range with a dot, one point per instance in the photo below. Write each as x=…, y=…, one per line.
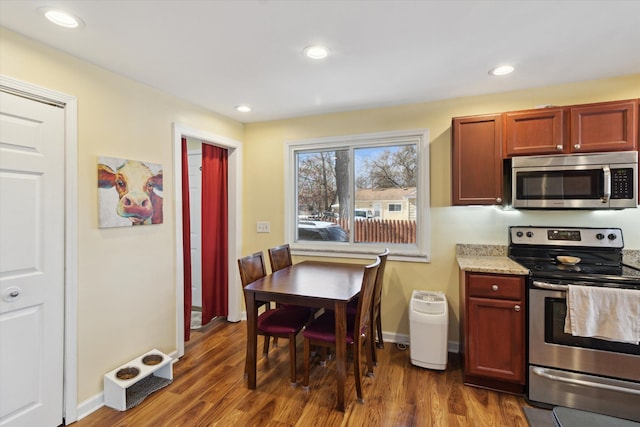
x=598, y=375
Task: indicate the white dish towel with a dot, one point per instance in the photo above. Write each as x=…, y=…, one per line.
x=607, y=313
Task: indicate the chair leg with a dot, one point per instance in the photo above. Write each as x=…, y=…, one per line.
x=379, y=326
x=370, y=353
x=275, y=342
x=307, y=361
x=292, y=359
x=265, y=349
x=357, y=369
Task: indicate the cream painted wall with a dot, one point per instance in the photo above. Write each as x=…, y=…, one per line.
x=264, y=186
x=126, y=290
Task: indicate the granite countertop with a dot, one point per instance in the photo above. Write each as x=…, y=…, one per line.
x=494, y=259
x=631, y=257
x=487, y=259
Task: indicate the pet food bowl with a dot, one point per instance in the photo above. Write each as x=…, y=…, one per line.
x=152, y=359
x=127, y=373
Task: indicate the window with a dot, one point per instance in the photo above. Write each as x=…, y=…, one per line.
x=336, y=187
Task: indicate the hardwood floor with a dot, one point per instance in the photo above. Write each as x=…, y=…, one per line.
x=209, y=389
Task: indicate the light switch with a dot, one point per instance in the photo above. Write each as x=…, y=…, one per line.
x=263, y=227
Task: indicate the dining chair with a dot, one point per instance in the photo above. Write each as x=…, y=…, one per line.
x=282, y=322
x=280, y=257
x=322, y=331
x=376, y=303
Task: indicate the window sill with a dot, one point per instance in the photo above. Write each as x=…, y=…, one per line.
x=360, y=254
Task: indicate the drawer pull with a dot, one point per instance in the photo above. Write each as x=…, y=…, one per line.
x=494, y=287
x=516, y=308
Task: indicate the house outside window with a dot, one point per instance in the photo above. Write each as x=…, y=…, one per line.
x=336, y=189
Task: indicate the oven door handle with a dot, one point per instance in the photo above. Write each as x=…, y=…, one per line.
x=544, y=374
x=550, y=286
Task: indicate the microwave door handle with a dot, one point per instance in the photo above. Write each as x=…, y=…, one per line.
x=606, y=184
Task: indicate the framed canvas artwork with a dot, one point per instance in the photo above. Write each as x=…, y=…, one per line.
x=129, y=192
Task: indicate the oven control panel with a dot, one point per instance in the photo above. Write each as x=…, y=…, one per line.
x=566, y=236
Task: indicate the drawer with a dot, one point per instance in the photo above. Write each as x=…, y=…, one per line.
x=501, y=287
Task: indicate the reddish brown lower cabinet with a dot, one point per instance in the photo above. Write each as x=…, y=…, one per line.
x=493, y=331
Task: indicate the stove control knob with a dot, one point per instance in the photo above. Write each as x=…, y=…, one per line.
x=612, y=236
x=599, y=236
x=519, y=234
x=529, y=233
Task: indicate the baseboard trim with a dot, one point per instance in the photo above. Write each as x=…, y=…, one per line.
x=403, y=339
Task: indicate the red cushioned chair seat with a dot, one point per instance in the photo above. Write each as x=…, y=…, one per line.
x=283, y=320
x=324, y=329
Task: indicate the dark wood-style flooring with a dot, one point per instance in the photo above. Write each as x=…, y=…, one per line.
x=209, y=389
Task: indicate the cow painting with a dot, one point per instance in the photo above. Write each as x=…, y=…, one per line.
x=130, y=192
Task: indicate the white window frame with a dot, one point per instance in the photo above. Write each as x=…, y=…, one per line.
x=420, y=252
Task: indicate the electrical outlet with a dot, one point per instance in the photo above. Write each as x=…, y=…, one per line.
x=263, y=227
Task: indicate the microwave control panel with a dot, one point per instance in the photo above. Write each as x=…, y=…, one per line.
x=622, y=183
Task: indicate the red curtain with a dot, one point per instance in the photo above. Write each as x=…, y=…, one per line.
x=215, y=272
x=186, y=241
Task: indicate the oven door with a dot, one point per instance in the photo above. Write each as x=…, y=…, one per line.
x=584, y=373
x=550, y=346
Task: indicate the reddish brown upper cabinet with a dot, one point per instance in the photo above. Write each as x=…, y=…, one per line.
x=531, y=132
x=477, y=160
x=606, y=126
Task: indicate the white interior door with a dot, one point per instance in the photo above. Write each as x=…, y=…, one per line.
x=195, y=211
x=31, y=262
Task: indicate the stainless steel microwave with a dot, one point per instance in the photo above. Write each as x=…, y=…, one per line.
x=576, y=181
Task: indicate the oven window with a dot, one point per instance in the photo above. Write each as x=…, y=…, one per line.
x=555, y=311
x=559, y=185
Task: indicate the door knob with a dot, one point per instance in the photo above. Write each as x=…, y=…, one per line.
x=559, y=147
x=516, y=308
x=11, y=294
x=576, y=146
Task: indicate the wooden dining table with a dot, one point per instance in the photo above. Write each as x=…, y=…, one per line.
x=328, y=285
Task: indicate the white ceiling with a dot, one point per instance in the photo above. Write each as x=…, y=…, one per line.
x=222, y=53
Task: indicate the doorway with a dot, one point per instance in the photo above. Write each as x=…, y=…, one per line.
x=234, y=149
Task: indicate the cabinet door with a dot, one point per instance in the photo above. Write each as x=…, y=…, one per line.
x=495, y=341
x=535, y=132
x=607, y=126
x=477, y=160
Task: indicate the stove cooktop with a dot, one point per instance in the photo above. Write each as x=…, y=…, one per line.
x=599, y=250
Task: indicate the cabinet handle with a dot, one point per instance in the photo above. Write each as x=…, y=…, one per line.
x=494, y=287
x=576, y=146
x=559, y=147
x=499, y=200
x=516, y=308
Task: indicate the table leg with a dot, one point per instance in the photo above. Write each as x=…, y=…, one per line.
x=341, y=350
x=252, y=339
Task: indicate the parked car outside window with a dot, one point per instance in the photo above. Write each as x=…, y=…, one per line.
x=321, y=230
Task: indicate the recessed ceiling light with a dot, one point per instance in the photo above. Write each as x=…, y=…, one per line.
x=315, y=52
x=243, y=108
x=501, y=70
x=61, y=18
